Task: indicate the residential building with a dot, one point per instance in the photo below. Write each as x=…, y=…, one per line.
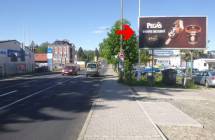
x=15, y=58
x=63, y=53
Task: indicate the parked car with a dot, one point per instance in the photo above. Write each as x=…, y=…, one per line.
x=92, y=69
x=206, y=78
x=180, y=73
x=70, y=70
x=150, y=70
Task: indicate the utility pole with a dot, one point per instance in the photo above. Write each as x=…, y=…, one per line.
x=121, y=63
x=121, y=47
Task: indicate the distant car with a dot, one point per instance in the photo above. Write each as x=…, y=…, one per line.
x=206, y=78
x=92, y=69
x=70, y=70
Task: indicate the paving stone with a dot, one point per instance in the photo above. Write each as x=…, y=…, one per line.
x=116, y=116
x=163, y=113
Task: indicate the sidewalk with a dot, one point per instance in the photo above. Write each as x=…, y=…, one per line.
x=180, y=113
x=115, y=115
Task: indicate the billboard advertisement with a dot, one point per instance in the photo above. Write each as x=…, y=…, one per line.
x=172, y=32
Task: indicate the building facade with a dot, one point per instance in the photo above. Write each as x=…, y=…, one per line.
x=167, y=58
x=15, y=58
x=63, y=53
x=203, y=64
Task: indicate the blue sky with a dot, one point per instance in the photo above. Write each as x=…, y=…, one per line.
x=85, y=22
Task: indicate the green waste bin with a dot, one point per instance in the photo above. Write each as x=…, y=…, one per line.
x=169, y=76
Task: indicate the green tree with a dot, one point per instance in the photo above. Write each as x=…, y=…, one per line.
x=144, y=57
x=89, y=55
x=81, y=55
x=42, y=48
x=96, y=54
x=104, y=50
x=110, y=48
x=185, y=54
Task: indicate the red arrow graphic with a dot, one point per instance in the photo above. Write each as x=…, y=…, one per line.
x=126, y=32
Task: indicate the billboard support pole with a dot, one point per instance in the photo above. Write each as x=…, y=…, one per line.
x=138, y=30
x=191, y=62
x=152, y=80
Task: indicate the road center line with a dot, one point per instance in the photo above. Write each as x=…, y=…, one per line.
x=8, y=93
x=35, y=93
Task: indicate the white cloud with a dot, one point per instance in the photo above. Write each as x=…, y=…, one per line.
x=101, y=30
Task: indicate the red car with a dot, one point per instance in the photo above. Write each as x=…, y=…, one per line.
x=70, y=70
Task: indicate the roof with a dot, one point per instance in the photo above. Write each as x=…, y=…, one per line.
x=4, y=41
x=40, y=57
x=208, y=60
x=63, y=42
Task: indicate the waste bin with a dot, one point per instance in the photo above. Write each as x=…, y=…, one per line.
x=169, y=76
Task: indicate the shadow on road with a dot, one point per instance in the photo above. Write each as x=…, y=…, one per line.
x=60, y=103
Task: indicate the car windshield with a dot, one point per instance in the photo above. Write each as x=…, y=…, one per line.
x=91, y=66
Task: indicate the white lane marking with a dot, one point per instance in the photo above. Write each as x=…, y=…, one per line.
x=8, y=93
x=35, y=93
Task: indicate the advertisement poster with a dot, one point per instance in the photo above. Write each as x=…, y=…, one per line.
x=173, y=32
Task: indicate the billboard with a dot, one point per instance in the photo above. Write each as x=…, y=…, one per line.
x=172, y=32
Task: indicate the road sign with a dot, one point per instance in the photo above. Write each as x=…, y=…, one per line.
x=121, y=55
x=49, y=50
x=49, y=55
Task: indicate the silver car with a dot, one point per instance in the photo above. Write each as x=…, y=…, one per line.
x=92, y=69
x=206, y=78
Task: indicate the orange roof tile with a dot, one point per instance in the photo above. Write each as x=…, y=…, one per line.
x=40, y=57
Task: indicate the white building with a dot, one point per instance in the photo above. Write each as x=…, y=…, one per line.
x=204, y=64
x=14, y=58
x=167, y=58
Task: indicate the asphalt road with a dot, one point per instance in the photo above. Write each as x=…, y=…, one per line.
x=49, y=107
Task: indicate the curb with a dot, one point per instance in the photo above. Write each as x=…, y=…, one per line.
x=89, y=116
x=132, y=91
x=86, y=123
